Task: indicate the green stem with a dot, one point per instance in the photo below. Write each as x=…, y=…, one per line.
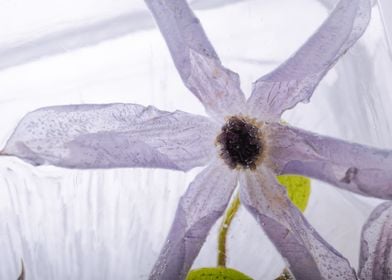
x=224, y=228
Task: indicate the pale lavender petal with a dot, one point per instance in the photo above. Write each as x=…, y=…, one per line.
x=357, y=168
x=375, y=261
x=113, y=135
x=295, y=80
x=197, y=63
x=308, y=255
x=203, y=203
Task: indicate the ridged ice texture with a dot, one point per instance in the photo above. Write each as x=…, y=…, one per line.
x=196, y=60
x=203, y=203
x=375, y=261
x=294, y=81
x=308, y=255
x=357, y=168
x=114, y=135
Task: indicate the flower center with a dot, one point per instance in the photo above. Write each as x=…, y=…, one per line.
x=240, y=143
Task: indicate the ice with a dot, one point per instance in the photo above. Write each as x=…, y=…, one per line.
x=69, y=224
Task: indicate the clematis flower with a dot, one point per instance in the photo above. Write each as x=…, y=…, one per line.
x=241, y=141
x=375, y=257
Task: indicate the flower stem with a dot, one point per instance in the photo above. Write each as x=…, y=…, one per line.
x=224, y=228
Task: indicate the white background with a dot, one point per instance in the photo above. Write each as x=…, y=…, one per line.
x=71, y=224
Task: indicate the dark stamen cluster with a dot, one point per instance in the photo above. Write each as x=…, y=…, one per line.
x=240, y=143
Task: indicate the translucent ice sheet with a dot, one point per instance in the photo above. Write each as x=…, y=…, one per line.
x=72, y=224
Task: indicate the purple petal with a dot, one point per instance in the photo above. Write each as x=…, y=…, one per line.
x=307, y=254
x=295, y=80
x=203, y=203
x=357, y=168
x=375, y=261
x=197, y=63
x=113, y=135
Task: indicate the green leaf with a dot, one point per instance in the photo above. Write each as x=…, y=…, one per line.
x=216, y=273
x=298, y=189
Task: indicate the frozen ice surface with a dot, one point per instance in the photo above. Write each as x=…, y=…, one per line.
x=71, y=224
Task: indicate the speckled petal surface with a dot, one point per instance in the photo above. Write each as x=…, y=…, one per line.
x=196, y=60
x=203, y=203
x=294, y=81
x=375, y=261
x=113, y=135
x=357, y=168
x=307, y=254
